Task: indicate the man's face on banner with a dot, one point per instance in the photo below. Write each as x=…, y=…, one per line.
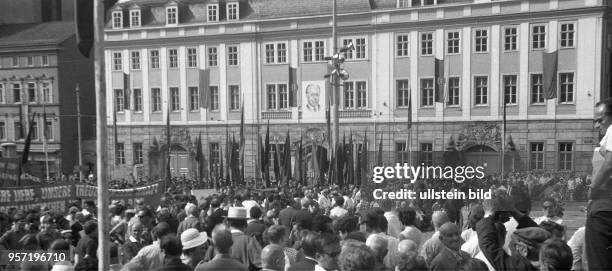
x=313, y=92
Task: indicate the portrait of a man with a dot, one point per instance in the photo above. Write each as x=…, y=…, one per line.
x=313, y=99
x=313, y=93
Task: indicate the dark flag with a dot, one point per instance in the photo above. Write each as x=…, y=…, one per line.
x=235, y=158
x=350, y=161
x=45, y=124
x=287, y=159
x=314, y=157
x=115, y=137
x=292, y=86
x=266, y=168
x=339, y=163
x=329, y=135
x=21, y=129
x=409, y=112
x=200, y=157
x=379, y=154
x=84, y=22
x=365, y=167
x=262, y=154
x=300, y=175
x=221, y=168
x=439, y=81
x=126, y=91
x=28, y=142
x=204, y=76
x=242, y=144
x=277, y=171
x=168, y=136
x=549, y=75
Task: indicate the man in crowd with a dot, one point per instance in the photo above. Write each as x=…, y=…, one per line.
x=272, y=258
x=245, y=248
x=376, y=225
x=309, y=248
x=222, y=242
x=91, y=235
x=171, y=249
x=451, y=255
x=191, y=221
x=194, y=247
x=150, y=256
x=134, y=243
x=327, y=252
x=433, y=245
x=356, y=257
x=10, y=239
x=378, y=245
x=255, y=227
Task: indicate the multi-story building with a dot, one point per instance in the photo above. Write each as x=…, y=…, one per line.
x=40, y=67
x=166, y=55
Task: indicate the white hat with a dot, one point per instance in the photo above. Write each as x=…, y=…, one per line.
x=237, y=213
x=192, y=238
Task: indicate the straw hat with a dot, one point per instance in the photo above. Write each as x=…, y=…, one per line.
x=237, y=213
x=192, y=238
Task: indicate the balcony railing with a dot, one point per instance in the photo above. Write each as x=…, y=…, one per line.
x=353, y=114
x=283, y=115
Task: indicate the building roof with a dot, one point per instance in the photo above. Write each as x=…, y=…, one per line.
x=36, y=33
x=267, y=9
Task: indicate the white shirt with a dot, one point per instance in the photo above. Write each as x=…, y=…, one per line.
x=337, y=212
x=394, y=227
x=324, y=202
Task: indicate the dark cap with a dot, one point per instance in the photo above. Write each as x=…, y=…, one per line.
x=531, y=236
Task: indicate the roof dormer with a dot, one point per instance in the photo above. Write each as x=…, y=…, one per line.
x=135, y=16
x=232, y=9
x=117, y=17
x=172, y=13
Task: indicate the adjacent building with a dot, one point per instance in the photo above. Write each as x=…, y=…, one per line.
x=197, y=62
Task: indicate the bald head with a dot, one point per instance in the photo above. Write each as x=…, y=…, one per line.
x=438, y=218
x=378, y=245
x=449, y=235
x=406, y=247
x=273, y=257
x=222, y=239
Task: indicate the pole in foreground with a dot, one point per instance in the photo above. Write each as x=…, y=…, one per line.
x=102, y=182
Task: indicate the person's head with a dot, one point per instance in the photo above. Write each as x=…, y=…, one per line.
x=305, y=203
x=407, y=216
x=555, y=255
x=371, y=220
x=411, y=262
x=356, y=257
x=277, y=234
x=191, y=209
x=474, y=264
x=476, y=213
x=91, y=228
x=339, y=201
x=603, y=115
x=378, y=245
x=255, y=212
x=312, y=93
x=322, y=223
x=273, y=257
x=328, y=250
x=345, y=225
x=450, y=236
x=310, y=243
x=557, y=230
x=222, y=239
x=407, y=246
x=59, y=245
x=526, y=242
x=548, y=205
x=146, y=216
x=170, y=246
x=194, y=244
x=439, y=218
x=160, y=230
x=48, y=223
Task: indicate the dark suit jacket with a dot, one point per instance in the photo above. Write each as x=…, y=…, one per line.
x=256, y=229
x=174, y=265
x=221, y=262
x=301, y=215
x=285, y=216
x=303, y=265
x=246, y=250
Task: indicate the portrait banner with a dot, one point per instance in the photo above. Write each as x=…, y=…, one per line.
x=313, y=100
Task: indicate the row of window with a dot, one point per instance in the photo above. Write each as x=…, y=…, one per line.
x=567, y=35
x=536, y=155
x=21, y=132
x=34, y=93
x=29, y=61
x=121, y=99
x=232, y=13
x=566, y=92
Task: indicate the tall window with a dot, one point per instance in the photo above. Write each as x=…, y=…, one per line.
x=135, y=60
x=362, y=95
x=426, y=44
x=2, y=99
x=482, y=40
x=401, y=155
x=46, y=92
x=173, y=58
x=119, y=154
x=34, y=130
x=175, y=99
x=538, y=37
x=119, y=100
x=537, y=89
x=453, y=42
x=360, y=48
x=283, y=96
x=281, y=52
x=215, y=157
x=510, y=38
x=402, y=45
x=481, y=90
x=565, y=156
x=45, y=60
x=48, y=130
x=192, y=57
x=234, y=97
x=278, y=96
x=403, y=93
x=194, y=98
x=536, y=156
x=117, y=65
x=213, y=12
x=271, y=96
x=18, y=130
x=307, y=51
x=31, y=92
x=17, y=93
x=427, y=153
x=156, y=100
x=270, y=53
x=117, y=19
x=138, y=154
x=171, y=15
x=510, y=89
x=30, y=61
x=232, y=55
x=355, y=95
x=2, y=130
x=427, y=92
x=566, y=81
x=349, y=95
x=134, y=18
x=453, y=91
x=567, y=35
x=212, y=56
x=154, y=59
x=137, y=100
x=319, y=50
x=232, y=11
x=214, y=97
x=403, y=3
x=15, y=61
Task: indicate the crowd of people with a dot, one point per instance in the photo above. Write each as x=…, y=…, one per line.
x=302, y=228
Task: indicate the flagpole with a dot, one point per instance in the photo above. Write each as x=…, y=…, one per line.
x=45, y=138
x=80, y=150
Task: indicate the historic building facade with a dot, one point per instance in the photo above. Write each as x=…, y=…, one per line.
x=40, y=68
x=198, y=62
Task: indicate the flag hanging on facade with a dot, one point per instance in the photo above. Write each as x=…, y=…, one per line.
x=277, y=165
x=199, y=157
x=242, y=144
x=115, y=136
x=365, y=167
x=204, y=82
x=439, y=81
x=549, y=75
x=350, y=161
x=126, y=91
x=379, y=154
x=168, y=136
x=266, y=167
x=287, y=159
x=84, y=24
x=293, y=87
x=28, y=141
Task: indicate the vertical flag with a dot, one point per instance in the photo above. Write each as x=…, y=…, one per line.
x=301, y=177
x=277, y=170
x=115, y=137
x=28, y=142
x=126, y=91
x=379, y=154
x=266, y=168
x=21, y=130
x=84, y=24
x=168, y=173
x=199, y=157
x=439, y=81
x=204, y=76
x=315, y=161
x=364, y=159
x=292, y=86
x=287, y=159
x=549, y=75
x=350, y=161
x=221, y=168
x=242, y=144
